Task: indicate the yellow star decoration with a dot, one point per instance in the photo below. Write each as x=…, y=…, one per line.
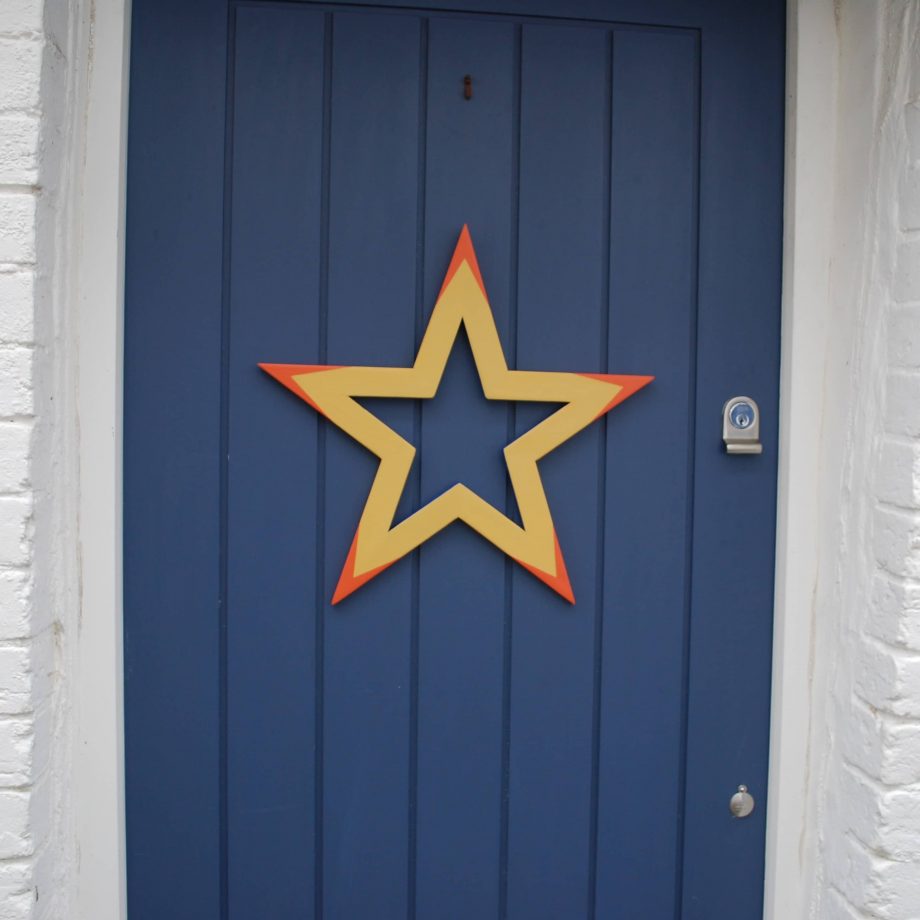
x=333, y=390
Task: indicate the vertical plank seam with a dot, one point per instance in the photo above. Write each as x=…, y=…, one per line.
x=421, y=165
x=691, y=477
x=224, y=463
x=320, y=598
x=507, y=626
x=597, y=689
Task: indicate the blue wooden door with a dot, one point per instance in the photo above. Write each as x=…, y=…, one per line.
x=454, y=740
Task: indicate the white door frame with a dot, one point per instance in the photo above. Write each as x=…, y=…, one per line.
x=96, y=205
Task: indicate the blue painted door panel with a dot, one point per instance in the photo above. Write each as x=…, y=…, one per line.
x=454, y=740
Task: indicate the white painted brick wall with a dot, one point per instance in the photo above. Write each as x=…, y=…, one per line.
x=31, y=99
x=895, y=607
x=870, y=833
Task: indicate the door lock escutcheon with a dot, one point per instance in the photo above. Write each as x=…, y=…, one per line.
x=741, y=426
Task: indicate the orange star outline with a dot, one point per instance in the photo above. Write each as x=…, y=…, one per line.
x=332, y=390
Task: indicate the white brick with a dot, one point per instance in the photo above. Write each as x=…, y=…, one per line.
x=910, y=181
x=55, y=24
x=15, y=529
x=24, y=748
x=881, y=887
x=15, y=831
x=888, y=678
x=848, y=871
x=897, y=541
x=837, y=907
x=17, y=307
x=25, y=674
x=899, y=810
x=24, y=820
x=51, y=897
x=34, y=83
x=895, y=612
x=16, y=905
x=19, y=16
x=42, y=733
x=884, y=747
x=900, y=752
x=884, y=819
x=19, y=139
x=17, y=619
x=898, y=479
x=40, y=810
x=15, y=439
x=20, y=73
x=912, y=127
x=907, y=275
x=15, y=679
x=902, y=404
x=17, y=227
x=910, y=199
x=861, y=743
x=15, y=380
x=904, y=336
x=17, y=894
x=17, y=744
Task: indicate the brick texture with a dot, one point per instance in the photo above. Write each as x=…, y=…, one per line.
x=871, y=838
x=30, y=100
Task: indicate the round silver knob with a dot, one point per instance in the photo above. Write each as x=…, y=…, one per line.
x=742, y=803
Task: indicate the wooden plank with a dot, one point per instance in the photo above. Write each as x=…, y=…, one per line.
x=741, y=239
x=470, y=177
x=172, y=361
x=562, y=325
x=273, y=462
x=649, y=447
x=371, y=320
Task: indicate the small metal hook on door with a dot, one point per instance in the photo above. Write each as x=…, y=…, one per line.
x=467, y=87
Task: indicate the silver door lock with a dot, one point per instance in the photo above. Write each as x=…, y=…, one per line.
x=741, y=426
x=742, y=803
